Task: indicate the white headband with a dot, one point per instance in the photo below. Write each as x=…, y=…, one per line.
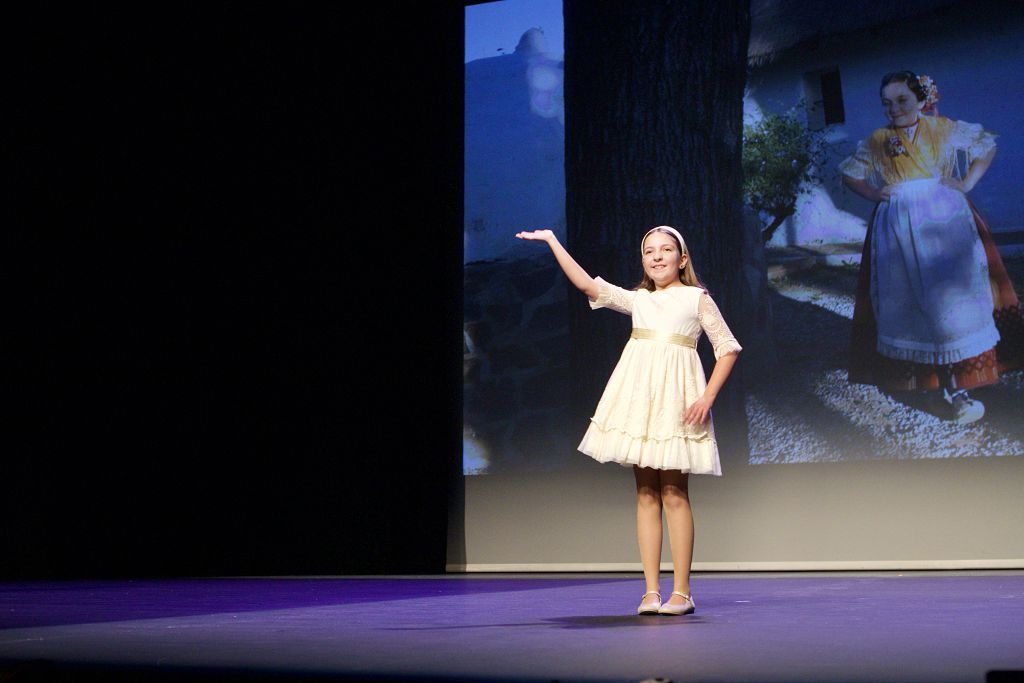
x=666, y=228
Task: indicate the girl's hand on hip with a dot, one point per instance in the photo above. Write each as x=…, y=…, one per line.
x=885, y=193
x=698, y=411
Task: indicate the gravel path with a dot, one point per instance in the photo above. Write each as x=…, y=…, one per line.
x=806, y=411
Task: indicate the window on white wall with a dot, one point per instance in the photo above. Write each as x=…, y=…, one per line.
x=823, y=95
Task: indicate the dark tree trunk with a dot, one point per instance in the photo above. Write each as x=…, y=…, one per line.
x=654, y=113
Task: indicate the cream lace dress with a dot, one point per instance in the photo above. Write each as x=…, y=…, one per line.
x=639, y=419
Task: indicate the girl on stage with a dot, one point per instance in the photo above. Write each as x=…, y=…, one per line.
x=935, y=309
x=655, y=412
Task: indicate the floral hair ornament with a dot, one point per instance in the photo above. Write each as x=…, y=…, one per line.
x=931, y=93
x=664, y=228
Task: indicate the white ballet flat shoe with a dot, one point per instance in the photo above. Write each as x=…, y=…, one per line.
x=649, y=607
x=686, y=607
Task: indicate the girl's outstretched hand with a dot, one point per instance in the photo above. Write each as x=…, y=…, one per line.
x=577, y=276
x=543, y=235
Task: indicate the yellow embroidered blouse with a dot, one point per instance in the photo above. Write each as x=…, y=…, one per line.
x=889, y=157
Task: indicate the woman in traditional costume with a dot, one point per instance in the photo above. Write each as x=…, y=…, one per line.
x=935, y=308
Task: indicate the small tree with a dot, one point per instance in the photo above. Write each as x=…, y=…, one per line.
x=781, y=159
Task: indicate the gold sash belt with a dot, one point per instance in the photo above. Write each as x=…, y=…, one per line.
x=667, y=337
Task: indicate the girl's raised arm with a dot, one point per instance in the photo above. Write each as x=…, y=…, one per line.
x=577, y=276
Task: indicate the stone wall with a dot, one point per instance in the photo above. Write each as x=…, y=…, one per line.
x=516, y=367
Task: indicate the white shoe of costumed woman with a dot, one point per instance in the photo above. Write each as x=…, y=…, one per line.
x=685, y=607
x=649, y=606
x=965, y=409
x=958, y=407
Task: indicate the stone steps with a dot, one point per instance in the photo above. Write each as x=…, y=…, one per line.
x=781, y=261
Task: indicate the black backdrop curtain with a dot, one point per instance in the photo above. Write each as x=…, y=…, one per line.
x=234, y=314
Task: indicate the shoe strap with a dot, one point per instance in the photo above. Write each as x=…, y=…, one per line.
x=649, y=593
x=682, y=595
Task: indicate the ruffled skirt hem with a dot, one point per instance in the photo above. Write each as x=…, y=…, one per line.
x=971, y=346
x=694, y=455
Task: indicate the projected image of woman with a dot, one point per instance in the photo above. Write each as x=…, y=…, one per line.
x=935, y=309
x=655, y=412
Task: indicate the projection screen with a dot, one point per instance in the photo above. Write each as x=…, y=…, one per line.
x=844, y=468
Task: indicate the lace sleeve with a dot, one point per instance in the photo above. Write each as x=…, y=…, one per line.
x=972, y=138
x=858, y=165
x=615, y=298
x=714, y=326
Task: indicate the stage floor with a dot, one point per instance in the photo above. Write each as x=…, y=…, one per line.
x=822, y=627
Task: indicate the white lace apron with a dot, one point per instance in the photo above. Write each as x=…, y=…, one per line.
x=929, y=276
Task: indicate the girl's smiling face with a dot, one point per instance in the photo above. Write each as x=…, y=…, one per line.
x=662, y=259
x=900, y=104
